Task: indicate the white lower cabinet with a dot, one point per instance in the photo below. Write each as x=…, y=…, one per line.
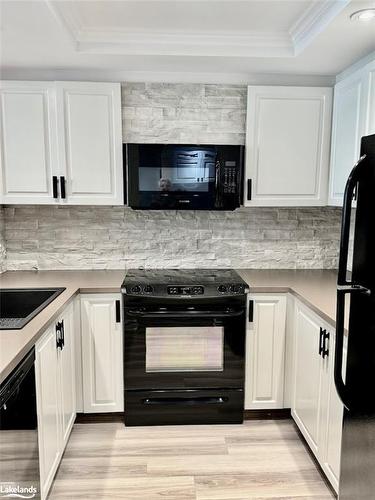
x=102, y=356
x=54, y=368
x=265, y=352
x=316, y=407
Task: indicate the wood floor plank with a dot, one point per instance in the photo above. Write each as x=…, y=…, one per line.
x=266, y=485
x=259, y=460
x=147, y=488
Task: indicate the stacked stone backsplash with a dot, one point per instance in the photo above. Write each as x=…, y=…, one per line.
x=184, y=113
x=45, y=237
x=117, y=237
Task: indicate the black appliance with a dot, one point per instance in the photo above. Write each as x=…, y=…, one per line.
x=356, y=389
x=184, y=176
x=184, y=346
x=19, y=456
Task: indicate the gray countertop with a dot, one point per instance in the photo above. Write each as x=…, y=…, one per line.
x=316, y=288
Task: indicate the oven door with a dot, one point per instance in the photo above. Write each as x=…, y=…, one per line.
x=182, y=345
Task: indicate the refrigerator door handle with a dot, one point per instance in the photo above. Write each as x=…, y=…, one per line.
x=346, y=217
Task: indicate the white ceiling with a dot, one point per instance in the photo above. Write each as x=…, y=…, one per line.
x=182, y=40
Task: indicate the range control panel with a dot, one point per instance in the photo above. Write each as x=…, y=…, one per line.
x=185, y=290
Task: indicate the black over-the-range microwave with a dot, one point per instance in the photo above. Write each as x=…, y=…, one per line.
x=183, y=176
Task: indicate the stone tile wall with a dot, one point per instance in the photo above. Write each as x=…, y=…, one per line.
x=184, y=113
x=44, y=237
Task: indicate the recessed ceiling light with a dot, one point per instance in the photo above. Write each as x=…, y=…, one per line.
x=363, y=15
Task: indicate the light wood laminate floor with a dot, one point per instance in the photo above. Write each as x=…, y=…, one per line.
x=261, y=459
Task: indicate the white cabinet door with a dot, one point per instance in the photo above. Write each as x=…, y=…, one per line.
x=308, y=383
x=369, y=75
x=287, y=145
x=102, y=354
x=265, y=350
x=90, y=142
x=48, y=394
x=353, y=117
x=347, y=130
x=333, y=419
x=28, y=142
x=67, y=374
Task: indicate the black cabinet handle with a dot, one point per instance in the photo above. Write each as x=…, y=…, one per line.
x=63, y=333
x=325, y=351
x=118, y=311
x=251, y=311
x=54, y=186
x=62, y=186
x=249, y=189
x=321, y=334
x=59, y=340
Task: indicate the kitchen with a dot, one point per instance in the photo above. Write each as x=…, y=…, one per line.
x=174, y=250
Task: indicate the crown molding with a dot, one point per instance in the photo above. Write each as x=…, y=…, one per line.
x=191, y=43
x=113, y=75
x=316, y=18
x=250, y=44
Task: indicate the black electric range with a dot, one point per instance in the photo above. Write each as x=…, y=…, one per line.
x=184, y=346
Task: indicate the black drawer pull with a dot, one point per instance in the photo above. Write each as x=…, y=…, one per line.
x=118, y=311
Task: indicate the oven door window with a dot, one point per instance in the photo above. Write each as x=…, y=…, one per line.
x=184, y=349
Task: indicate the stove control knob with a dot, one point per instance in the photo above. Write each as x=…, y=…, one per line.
x=236, y=288
x=148, y=289
x=136, y=289
x=222, y=289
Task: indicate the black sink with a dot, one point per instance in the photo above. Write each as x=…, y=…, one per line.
x=19, y=305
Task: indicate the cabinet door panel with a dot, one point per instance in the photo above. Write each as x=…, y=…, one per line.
x=102, y=355
x=370, y=105
x=265, y=347
x=345, y=136
x=48, y=408
x=28, y=148
x=90, y=141
x=308, y=377
x=288, y=132
x=67, y=375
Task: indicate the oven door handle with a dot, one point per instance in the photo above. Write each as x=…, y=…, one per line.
x=185, y=401
x=182, y=314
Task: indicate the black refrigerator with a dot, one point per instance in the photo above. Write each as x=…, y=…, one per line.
x=356, y=386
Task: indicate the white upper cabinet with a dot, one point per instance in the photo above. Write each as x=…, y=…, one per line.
x=353, y=117
x=28, y=142
x=90, y=142
x=287, y=145
x=61, y=142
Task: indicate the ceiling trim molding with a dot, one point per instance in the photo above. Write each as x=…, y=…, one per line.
x=115, y=75
x=189, y=43
x=314, y=21
x=250, y=44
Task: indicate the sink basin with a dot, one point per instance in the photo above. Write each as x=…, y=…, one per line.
x=19, y=306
